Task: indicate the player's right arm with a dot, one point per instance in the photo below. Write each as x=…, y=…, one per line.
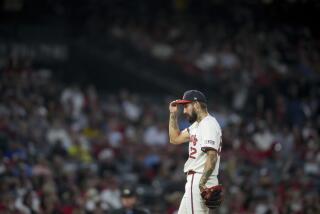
x=175, y=136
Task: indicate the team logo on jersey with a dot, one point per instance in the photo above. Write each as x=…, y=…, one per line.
x=193, y=139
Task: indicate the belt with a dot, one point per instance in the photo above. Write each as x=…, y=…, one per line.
x=190, y=172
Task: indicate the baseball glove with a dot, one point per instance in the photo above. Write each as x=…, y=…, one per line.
x=212, y=196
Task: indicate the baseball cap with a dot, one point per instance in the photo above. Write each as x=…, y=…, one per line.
x=128, y=192
x=191, y=96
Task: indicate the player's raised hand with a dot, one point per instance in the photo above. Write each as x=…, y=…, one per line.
x=173, y=107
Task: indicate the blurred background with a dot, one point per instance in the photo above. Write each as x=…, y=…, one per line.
x=85, y=87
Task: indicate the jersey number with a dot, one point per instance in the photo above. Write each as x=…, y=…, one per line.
x=193, y=151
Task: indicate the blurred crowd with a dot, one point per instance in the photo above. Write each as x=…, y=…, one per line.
x=225, y=46
x=69, y=148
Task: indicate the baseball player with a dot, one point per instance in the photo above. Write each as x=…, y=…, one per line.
x=204, y=137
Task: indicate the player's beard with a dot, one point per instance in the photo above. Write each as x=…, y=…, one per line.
x=193, y=117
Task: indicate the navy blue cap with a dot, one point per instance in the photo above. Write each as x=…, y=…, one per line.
x=191, y=96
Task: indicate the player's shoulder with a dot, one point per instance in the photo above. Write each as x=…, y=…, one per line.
x=193, y=125
x=211, y=122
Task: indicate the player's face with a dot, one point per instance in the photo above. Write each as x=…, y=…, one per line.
x=189, y=112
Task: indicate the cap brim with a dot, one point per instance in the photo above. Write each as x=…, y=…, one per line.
x=182, y=101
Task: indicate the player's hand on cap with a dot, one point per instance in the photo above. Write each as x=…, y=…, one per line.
x=173, y=107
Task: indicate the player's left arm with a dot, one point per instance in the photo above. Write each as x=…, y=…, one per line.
x=211, y=144
x=212, y=156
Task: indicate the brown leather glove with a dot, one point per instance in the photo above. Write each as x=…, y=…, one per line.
x=212, y=196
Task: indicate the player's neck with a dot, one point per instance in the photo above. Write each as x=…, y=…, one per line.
x=202, y=115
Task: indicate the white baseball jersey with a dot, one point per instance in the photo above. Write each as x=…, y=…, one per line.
x=203, y=136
